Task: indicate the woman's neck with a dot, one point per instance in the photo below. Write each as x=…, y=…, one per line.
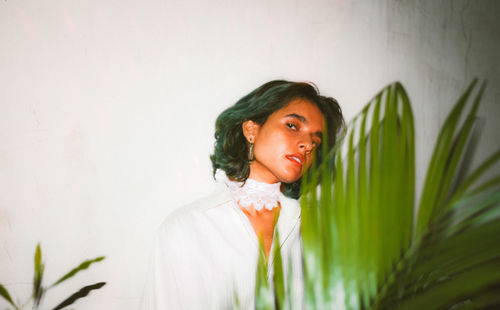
x=260, y=173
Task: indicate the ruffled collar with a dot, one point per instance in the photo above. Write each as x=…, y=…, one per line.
x=251, y=192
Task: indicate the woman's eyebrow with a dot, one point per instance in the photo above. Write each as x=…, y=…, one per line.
x=297, y=116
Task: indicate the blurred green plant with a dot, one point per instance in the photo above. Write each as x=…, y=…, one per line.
x=365, y=246
x=39, y=290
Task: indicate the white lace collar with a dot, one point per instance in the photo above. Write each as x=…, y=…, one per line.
x=251, y=192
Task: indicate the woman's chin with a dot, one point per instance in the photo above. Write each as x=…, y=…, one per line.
x=290, y=177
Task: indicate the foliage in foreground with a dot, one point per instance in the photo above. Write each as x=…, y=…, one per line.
x=365, y=246
x=39, y=290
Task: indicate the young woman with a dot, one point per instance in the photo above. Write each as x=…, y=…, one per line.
x=206, y=253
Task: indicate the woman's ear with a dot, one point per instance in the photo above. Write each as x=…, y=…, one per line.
x=250, y=130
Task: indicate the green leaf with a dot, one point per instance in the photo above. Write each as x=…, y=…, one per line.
x=453, y=258
x=474, y=176
x=437, y=167
x=264, y=297
x=456, y=154
x=236, y=302
x=38, y=289
x=84, y=291
x=5, y=294
x=494, y=182
x=278, y=277
x=81, y=267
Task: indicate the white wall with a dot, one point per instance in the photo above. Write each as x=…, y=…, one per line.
x=107, y=108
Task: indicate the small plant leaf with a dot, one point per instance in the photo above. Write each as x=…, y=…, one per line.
x=84, y=291
x=81, y=267
x=37, y=280
x=5, y=294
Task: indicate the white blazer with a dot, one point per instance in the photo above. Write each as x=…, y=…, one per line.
x=206, y=255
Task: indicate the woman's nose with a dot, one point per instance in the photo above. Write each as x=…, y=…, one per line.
x=306, y=145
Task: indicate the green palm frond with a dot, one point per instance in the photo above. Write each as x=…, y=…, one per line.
x=362, y=246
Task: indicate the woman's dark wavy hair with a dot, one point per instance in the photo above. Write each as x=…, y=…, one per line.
x=231, y=147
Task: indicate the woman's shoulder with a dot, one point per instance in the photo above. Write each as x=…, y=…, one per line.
x=192, y=213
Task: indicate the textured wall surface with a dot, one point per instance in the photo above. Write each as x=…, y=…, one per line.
x=107, y=108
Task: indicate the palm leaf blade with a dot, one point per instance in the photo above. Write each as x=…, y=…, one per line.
x=455, y=156
x=84, y=265
x=436, y=167
x=83, y=292
x=37, y=280
x=5, y=294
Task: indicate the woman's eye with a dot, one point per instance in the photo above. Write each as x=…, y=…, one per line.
x=291, y=126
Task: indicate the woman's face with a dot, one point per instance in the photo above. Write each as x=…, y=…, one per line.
x=283, y=145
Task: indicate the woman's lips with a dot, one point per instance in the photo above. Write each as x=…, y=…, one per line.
x=297, y=159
